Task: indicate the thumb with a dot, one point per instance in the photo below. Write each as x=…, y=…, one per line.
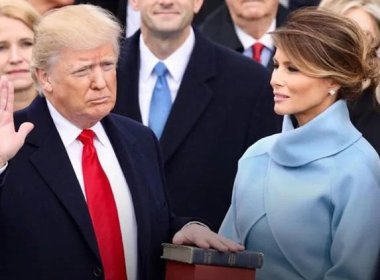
x=24, y=130
x=179, y=238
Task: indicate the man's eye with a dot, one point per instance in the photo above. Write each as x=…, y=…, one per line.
x=81, y=72
x=108, y=66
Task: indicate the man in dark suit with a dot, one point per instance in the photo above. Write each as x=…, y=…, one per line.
x=239, y=24
x=119, y=8
x=208, y=7
x=50, y=205
x=221, y=104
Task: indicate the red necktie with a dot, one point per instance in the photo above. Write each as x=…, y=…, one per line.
x=257, y=48
x=103, y=212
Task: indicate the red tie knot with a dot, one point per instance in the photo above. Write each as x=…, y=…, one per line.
x=86, y=137
x=257, y=48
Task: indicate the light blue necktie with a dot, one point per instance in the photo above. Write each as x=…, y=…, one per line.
x=161, y=101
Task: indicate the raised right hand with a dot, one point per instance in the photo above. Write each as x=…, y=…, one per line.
x=10, y=140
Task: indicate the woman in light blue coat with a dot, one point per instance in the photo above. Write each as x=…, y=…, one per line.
x=309, y=197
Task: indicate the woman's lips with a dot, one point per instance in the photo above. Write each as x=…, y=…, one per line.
x=278, y=97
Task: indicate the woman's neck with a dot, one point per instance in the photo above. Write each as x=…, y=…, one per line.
x=24, y=97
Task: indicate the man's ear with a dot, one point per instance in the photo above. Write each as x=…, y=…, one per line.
x=43, y=80
x=197, y=6
x=134, y=4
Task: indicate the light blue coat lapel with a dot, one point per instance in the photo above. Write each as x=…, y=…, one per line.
x=327, y=134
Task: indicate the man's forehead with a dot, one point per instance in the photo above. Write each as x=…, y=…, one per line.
x=104, y=51
x=72, y=57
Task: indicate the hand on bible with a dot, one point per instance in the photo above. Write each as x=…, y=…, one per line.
x=201, y=236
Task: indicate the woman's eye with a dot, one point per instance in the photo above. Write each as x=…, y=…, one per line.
x=3, y=47
x=27, y=44
x=292, y=69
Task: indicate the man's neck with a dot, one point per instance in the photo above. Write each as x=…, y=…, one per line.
x=256, y=28
x=23, y=98
x=163, y=45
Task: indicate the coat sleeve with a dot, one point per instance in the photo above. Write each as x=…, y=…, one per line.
x=355, y=221
x=228, y=227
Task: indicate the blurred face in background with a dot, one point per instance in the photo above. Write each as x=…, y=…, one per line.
x=252, y=9
x=16, y=42
x=42, y=6
x=166, y=17
x=60, y=3
x=366, y=21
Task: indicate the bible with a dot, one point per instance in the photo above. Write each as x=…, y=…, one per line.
x=195, y=255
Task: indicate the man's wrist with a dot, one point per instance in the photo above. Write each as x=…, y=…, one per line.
x=196, y=223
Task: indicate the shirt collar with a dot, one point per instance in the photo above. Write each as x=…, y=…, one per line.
x=69, y=132
x=247, y=40
x=176, y=62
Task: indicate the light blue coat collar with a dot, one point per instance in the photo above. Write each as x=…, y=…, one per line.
x=325, y=135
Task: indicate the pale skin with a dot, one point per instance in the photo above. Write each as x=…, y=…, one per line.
x=42, y=6
x=92, y=90
x=297, y=94
x=16, y=42
x=253, y=17
x=11, y=140
x=165, y=24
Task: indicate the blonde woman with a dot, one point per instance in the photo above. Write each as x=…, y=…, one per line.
x=17, y=22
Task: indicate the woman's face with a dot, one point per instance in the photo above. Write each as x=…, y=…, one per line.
x=365, y=21
x=16, y=42
x=297, y=94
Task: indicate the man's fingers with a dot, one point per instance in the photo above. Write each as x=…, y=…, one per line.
x=24, y=130
x=3, y=92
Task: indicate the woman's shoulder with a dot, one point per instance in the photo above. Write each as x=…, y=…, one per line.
x=261, y=147
x=362, y=158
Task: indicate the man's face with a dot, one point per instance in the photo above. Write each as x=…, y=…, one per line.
x=165, y=17
x=81, y=85
x=252, y=9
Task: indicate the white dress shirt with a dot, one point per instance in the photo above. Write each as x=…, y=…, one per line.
x=176, y=64
x=110, y=164
x=247, y=41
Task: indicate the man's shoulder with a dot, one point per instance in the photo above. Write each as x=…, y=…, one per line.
x=126, y=122
x=217, y=18
x=128, y=130
x=226, y=57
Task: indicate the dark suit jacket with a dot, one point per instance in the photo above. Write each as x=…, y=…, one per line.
x=117, y=7
x=296, y=4
x=45, y=227
x=208, y=7
x=224, y=105
x=365, y=115
x=218, y=27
